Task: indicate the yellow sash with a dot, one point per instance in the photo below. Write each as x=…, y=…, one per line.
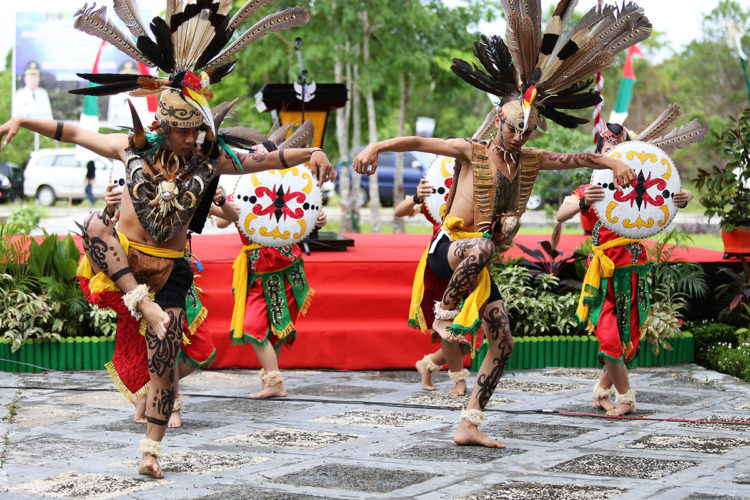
x=601, y=266
x=468, y=318
x=100, y=282
x=239, y=285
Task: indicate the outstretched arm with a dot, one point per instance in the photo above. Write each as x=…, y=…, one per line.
x=407, y=208
x=572, y=204
x=259, y=159
x=366, y=161
x=107, y=145
x=622, y=173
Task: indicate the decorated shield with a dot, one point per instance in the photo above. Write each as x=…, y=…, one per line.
x=278, y=207
x=647, y=206
x=440, y=176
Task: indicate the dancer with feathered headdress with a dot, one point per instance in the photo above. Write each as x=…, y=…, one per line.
x=538, y=76
x=138, y=269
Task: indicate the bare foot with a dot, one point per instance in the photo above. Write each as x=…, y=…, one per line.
x=175, y=420
x=602, y=404
x=274, y=391
x=459, y=389
x=622, y=409
x=426, y=376
x=139, y=417
x=149, y=466
x=469, y=435
x=155, y=316
x=441, y=328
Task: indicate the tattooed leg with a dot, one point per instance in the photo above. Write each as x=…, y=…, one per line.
x=500, y=346
x=105, y=253
x=162, y=353
x=467, y=258
x=454, y=358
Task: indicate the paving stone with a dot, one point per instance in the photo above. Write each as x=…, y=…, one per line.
x=343, y=391
x=243, y=492
x=523, y=385
x=742, y=478
x=378, y=418
x=85, y=486
x=665, y=398
x=445, y=400
x=517, y=490
x=299, y=439
x=98, y=398
x=406, y=377
x=681, y=382
x=355, y=478
x=707, y=496
x=578, y=373
x=254, y=409
x=619, y=466
x=532, y=431
x=201, y=462
x=744, y=405
x=225, y=379
x=190, y=426
x=434, y=450
x=599, y=414
x=714, y=423
x=700, y=444
x=51, y=448
x=42, y=416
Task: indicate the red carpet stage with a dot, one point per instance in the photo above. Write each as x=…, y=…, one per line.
x=358, y=315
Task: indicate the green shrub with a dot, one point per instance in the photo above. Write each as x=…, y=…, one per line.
x=707, y=336
x=26, y=316
x=22, y=220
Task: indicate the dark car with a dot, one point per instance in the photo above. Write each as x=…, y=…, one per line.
x=11, y=182
x=415, y=166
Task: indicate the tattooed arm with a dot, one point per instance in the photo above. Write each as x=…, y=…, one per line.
x=366, y=162
x=622, y=173
x=258, y=158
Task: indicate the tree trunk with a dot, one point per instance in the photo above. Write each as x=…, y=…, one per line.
x=372, y=126
x=399, y=226
x=356, y=140
x=342, y=136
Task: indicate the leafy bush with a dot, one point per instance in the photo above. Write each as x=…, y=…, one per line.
x=26, y=315
x=533, y=304
x=709, y=334
x=22, y=220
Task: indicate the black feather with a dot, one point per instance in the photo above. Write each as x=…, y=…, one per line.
x=220, y=72
x=108, y=77
x=564, y=119
x=501, y=75
x=220, y=39
x=109, y=89
x=574, y=101
x=163, y=45
x=195, y=10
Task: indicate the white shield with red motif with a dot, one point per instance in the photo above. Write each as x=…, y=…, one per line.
x=440, y=176
x=278, y=207
x=647, y=206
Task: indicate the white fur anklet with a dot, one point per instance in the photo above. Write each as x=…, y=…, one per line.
x=473, y=416
x=626, y=399
x=445, y=315
x=178, y=404
x=458, y=376
x=272, y=378
x=151, y=447
x=261, y=374
x=429, y=365
x=601, y=393
x=133, y=298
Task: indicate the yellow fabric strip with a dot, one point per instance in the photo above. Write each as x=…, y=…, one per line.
x=469, y=314
x=601, y=266
x=239, y=285
x=100, y=282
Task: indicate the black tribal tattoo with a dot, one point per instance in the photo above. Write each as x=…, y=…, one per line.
x=162, y=353
x=476, y=254
x=497, y=328
x=580, y=160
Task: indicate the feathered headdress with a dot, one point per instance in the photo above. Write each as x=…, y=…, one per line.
x=656, y=130
x=189, y=44
x=542, y=73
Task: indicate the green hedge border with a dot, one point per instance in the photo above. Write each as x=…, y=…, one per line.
x=580, y=351
x=72, y=353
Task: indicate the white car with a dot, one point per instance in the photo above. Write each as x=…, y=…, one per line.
x=53, y=174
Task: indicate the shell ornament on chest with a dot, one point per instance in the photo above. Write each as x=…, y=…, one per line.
x=278, y=207
x=647, y=206
x=165, y=189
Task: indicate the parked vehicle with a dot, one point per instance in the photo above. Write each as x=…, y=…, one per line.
x=11, y=182
x=53, y=174
x=415, y=166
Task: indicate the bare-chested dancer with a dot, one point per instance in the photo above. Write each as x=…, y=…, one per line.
x=171, y=177
x=492, y=181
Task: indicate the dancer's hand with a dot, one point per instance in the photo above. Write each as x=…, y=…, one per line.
x=623, y=174
x=593, y=193
x=9, y=129
x=424, y=189
x=322, y=219
x=682, y=198
x=366, y=162
x=321, y=167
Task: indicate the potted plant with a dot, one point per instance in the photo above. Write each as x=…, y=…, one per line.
x=725, y=190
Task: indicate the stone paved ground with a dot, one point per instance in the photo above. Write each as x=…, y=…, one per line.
x=377, y=435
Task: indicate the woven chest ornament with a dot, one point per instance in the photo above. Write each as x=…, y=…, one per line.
x=440, y=176
x=278, y=207
x=647, y=206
